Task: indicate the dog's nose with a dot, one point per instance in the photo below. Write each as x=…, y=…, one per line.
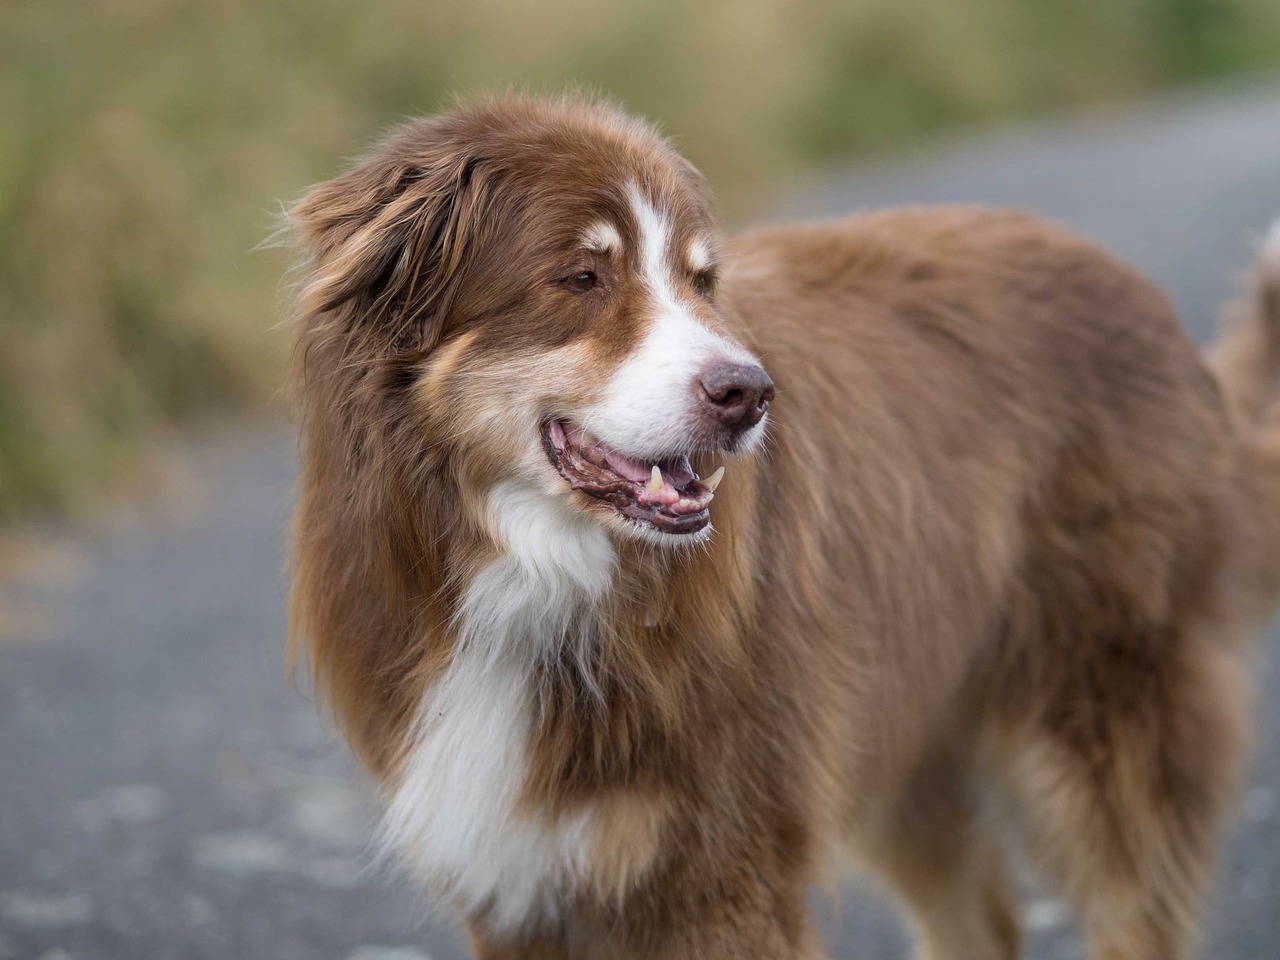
x=737, y=394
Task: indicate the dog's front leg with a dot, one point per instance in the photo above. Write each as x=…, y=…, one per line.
x=532, y=946
x=709, y=923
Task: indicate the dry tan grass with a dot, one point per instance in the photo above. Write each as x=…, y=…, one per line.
x=145, y=144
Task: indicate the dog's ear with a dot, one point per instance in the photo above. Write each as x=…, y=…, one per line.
x=386, y=241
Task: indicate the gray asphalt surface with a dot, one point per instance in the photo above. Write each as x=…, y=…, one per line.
x=164, y=793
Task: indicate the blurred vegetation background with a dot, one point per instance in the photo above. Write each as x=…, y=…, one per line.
x=145, y=145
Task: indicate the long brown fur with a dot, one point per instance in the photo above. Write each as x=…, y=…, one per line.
x=1006, y=540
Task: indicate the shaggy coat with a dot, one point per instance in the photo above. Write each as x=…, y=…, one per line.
x=994, y=546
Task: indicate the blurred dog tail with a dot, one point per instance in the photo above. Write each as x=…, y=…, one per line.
x=1247, y=361
x=1247, y=358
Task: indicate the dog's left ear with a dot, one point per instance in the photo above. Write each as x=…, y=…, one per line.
x=386, y=241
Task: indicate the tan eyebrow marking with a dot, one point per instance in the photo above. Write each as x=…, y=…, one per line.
x=699, y=254
x=602, y=237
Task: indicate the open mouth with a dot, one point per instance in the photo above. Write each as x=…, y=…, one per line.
x=664, y=494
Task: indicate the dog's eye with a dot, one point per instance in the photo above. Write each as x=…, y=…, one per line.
x=704, y=283
x=581, y=282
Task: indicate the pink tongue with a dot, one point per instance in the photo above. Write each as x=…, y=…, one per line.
x=642, y=473
x=674, y=474
x=633, y=471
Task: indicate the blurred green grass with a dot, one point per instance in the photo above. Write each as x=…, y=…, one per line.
x=145, y=144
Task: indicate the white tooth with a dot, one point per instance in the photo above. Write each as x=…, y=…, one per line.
x=710, y=497
x=713, y=481
x=686, y=504
x=588, y=440
x=655, y=480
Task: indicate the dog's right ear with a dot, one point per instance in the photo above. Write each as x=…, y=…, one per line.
x=385, y=241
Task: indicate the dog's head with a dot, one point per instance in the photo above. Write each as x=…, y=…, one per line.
x=526, y=291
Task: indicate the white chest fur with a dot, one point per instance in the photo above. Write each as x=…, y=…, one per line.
x=453, y=816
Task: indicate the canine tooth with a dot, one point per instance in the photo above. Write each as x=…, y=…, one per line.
x=713, y=481
x=655, y=480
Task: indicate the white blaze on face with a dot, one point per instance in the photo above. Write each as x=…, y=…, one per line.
x=648, y=407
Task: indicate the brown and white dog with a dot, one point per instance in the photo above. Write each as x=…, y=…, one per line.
x=995, y=546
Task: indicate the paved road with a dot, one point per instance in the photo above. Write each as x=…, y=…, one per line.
x=163, y=793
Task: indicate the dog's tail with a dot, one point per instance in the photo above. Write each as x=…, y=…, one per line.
x=1247, y=361
x=1248, y=356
